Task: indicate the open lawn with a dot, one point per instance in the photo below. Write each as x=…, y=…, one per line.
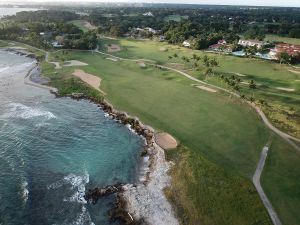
x=219, y=131
x=271, y=37
x=83, y=25
x=176, y=18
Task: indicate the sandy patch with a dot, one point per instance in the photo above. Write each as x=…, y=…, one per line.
x=90, y=79
x=247, y=83
x=113, y=48
x=294, y=71
x=240, y=75
x=297, y=80
x=206, y=88
x=163, y=49
x=165, y=141
x=89, y=26
x=75, y=63
x=18, y=48
x=285, y=89
x=113, y=59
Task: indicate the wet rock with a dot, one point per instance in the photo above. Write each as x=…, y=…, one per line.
x=92, y=196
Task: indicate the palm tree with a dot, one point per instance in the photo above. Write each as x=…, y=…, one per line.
x=252, y=86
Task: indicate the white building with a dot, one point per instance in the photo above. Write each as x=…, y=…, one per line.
x=151, y=30
x=148, y=14
x=186, y=44
x=251, y=43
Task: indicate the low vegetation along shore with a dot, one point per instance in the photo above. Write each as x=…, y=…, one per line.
x=220, y=139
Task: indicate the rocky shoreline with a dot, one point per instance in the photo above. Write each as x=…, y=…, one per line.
x=143, y=203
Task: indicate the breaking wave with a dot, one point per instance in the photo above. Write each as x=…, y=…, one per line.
x=4, y=68
x=18, y=110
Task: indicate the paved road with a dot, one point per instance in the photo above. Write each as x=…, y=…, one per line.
x=256, y=181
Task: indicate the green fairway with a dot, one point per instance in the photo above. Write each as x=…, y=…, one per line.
x=271, y=37
x=176, y=18
x=272, y=77
x=219, y=131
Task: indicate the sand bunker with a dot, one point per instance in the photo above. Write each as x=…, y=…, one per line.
x=285, y=89
x=113, y=48
x=141, y=64
x=75, y=63
x=240, y=75
x=206, y=88
x=113, y=59
x=165, y=141
x=90, y=79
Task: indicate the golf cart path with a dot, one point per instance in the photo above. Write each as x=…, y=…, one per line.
x=57, y=65
x=256, y=181
x=288, y=138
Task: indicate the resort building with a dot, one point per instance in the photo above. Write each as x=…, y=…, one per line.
x=148, y=14
x=221, y=46
x=186, y=44
x=292, y=50
x=251, y=43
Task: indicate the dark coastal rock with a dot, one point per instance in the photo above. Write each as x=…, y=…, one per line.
x=94, y=195
x=118, y=213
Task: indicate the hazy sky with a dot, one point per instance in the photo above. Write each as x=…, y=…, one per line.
x=217, y=2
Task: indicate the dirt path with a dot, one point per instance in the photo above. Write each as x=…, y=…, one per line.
x=256, y=181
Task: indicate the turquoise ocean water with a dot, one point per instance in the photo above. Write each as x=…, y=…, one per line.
x=53, y=150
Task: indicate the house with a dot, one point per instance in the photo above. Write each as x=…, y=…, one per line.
x=55, y=44
x=186, y=43
x=162, y=38
x=148, y=14
x=292, y=50
x=151, y=30
x=222, y=42
x=221, y=46
x=251, y=43
x=46, y=35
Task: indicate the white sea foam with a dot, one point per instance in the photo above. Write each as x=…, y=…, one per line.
x=18, y=110
x=78, y=183
x=83, y=218
x=4, y=68
x=25, y=191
